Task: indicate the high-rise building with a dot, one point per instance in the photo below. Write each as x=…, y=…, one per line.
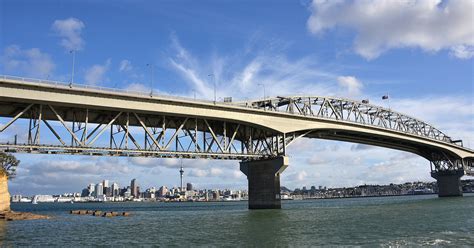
x=134, y=188
x=181, y=173
x=115, y=189
x=99, y=190
x=189, y=187
x=91, y=189
x=105, y=185
x=162, y=191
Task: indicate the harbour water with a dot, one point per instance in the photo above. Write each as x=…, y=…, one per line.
x=382, y=221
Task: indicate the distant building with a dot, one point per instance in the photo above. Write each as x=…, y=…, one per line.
x=162, y=191
x=16, y=198
x=105, y=185
x=115, y=189
x=189, y=186
x=134, y=188
x=215, y=195
x=91, y=189
x=99, y=190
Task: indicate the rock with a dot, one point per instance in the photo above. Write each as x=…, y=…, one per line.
x=114, y=213
x=97, y=213
x=10, y=216
x=107, y=214
x=82, y=212
x=125, y=214
x=90, y=212
x=4, y=194
x=74, y=212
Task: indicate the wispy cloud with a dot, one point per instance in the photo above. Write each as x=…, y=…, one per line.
x=27, y=62
x=125, y=66
x=70, y=32
x=243, y=74
x=96, y=73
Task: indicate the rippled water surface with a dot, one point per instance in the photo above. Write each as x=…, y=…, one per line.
x=386, y=221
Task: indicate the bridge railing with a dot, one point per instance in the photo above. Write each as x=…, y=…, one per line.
x=60, y=84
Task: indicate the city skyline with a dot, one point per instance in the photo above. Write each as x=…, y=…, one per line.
x=289, y=56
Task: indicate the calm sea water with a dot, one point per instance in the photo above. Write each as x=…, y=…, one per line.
x=386, y=221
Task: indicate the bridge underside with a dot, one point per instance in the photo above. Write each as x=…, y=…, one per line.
x=62, y=128
x=44, y=128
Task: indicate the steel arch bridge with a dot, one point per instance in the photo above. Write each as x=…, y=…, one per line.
x=38, y=116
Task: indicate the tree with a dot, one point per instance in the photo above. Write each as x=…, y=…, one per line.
x=8, y=164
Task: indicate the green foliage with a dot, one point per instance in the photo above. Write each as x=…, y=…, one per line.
x=8, y=164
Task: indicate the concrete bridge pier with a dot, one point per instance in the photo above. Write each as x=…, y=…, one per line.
x=449, y=182
x=264, y=181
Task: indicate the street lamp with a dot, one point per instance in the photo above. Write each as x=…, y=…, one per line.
x=151, y=67
x=215, y=94
x=73, y=62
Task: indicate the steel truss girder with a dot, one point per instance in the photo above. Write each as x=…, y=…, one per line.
x=442, y=162
x=141, y=134
x=351, y=111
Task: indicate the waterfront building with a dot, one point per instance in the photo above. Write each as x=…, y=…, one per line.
x=91, y=189
x=215, y=195
x=115, y=189
x=189, y=187
x=16, y=198
x=99, y=190
x=105, y=185
x=134, y=188
x=127, y=193
x=162, y=191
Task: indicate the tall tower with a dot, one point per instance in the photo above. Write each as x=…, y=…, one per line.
x=181, y=172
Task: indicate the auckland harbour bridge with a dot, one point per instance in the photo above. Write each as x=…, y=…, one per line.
x=48, y=117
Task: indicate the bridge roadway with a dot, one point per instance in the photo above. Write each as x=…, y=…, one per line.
x=80, y=119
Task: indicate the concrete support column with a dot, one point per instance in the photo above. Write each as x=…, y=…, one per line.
x=264, y=182
x=449, y=182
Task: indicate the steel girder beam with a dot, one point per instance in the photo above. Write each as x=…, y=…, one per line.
x=351, y=111
x=139, y=134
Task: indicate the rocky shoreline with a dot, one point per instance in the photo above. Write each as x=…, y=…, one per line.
x=11, y=215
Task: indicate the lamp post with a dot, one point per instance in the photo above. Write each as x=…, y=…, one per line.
x=152, y=76
x=73, y=64
x=215, y=94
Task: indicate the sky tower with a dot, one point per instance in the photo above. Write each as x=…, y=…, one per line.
x=181, y=172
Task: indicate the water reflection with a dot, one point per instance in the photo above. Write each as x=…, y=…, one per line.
x=265, y=228
x=3, y=230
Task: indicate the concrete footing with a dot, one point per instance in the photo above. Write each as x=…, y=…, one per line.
x=449, y=182
x=264, y=182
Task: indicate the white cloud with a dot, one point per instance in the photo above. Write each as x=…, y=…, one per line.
x=27, y=62
x=431, y=25
x=96, y=73
x=351, y=84
x=70, y=32
x=125, y=66
x=243, y=74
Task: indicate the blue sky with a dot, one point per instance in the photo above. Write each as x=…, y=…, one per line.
x=419, y=52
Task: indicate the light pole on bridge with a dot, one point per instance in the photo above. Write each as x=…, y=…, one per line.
x=215, y=94
x=152, y=76
x=73, y=64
